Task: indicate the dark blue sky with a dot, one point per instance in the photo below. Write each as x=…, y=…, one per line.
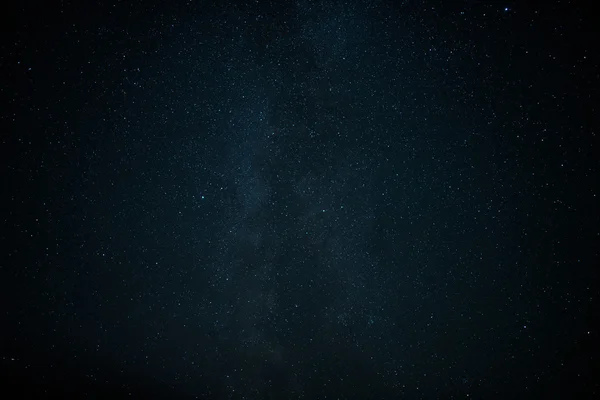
x=295, y=200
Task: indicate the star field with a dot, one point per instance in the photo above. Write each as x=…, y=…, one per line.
x=252, y=200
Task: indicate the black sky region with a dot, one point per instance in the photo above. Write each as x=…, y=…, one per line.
x=295, y=199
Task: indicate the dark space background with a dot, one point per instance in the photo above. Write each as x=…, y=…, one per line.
x=268, y=200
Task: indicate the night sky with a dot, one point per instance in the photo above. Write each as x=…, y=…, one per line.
x=288, y=199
